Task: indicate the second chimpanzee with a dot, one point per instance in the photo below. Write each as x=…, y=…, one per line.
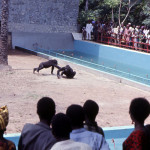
x=67, y=71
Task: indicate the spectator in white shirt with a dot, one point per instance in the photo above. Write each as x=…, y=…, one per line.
x=89, y=28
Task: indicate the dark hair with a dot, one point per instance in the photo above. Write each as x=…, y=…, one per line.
x=91, y=109
x=76, y=115
x=46, y=108
x=61, y=126
x=139, y=109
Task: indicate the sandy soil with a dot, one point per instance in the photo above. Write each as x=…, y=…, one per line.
x=21, y=89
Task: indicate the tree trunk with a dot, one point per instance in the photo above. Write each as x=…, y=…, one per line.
x=126, y=16
x=86, y=5
x=4, y=34
x=129, y=8
x=112, y=15
x=119, y=12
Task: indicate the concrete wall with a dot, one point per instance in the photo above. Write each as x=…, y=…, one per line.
x=46, y=23
x=43, y=16
x=52, y=41
x=116, y=54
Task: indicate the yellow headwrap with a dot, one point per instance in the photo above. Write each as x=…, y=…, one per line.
x=4, y=117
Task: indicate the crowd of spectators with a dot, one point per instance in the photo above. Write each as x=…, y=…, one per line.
x=76, y=129
x=130, y=36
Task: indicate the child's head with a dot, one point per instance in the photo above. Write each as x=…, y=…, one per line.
x=46, y=108
x=139, y=109
x=91, y=109
x=61, y=126
x=76, y=115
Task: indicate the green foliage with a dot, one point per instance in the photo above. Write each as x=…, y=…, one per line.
x=111, y=3
x=146, y=12
x=88, y=15
x=101, y=9
x=81, y=1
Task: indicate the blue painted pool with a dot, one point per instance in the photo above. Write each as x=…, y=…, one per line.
x=122, y=69
x=119, y=134
x=121, y=62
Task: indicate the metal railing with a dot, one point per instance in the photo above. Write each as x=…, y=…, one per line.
x=125, y=41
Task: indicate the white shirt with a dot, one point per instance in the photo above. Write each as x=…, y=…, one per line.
x=131, y=29
x=145, y=31
x=148, y=39
x=89, y=27
x=70, y=145
x=115, y=30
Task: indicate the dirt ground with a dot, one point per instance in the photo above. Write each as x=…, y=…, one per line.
x=21, y=89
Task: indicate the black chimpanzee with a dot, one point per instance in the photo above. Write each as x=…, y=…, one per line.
x=67, y=70
x=50, y=63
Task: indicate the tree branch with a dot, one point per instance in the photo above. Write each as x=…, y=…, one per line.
x=130, y=6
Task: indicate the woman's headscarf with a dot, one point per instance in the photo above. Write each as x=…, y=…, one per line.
x=4, y=117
